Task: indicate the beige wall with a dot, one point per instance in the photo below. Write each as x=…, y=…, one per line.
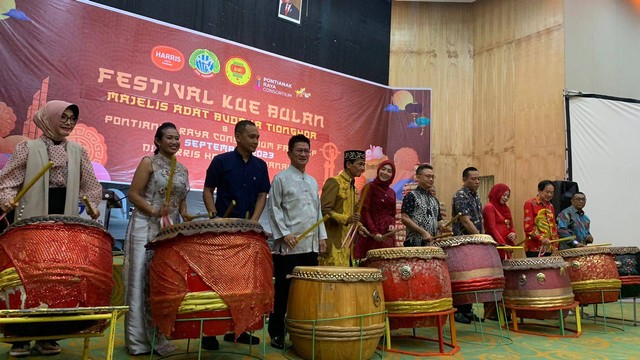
x=601, y=50
x=496, y=68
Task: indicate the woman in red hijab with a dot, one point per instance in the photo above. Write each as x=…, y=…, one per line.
x=497, y=218
x=378, y=212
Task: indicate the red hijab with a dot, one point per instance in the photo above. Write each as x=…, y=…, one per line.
x=385, y=184
x=494, y=198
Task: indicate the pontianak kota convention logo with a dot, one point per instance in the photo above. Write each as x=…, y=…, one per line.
x=238, y=71
x=204, y=63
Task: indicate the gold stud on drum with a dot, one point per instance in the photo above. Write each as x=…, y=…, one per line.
x=376, y=298
x=575, y=265
x=618, y=264
x=405, y=272
x=541, y=278
x=522, y=280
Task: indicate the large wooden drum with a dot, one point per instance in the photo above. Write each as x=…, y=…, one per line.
x=55, y=262
x=336, y=311
x=415, y=280
x=474, y=264
x=537, y=283
x=628, y=263
x=593, y=273
x=217, y=268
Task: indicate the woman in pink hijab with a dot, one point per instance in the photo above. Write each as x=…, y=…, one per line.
x=57, y=192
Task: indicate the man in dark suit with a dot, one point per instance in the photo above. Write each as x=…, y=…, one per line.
x=289, y=10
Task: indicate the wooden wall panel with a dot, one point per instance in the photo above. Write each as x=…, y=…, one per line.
x=499, y=108
x=431, y=47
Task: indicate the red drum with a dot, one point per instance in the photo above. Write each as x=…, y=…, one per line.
x=335, y=313
x=592, y=270
x=474, y=264
x=628, y=263
x=219, y=268
x=415, y=280
x=55, y=262
x=537, y=283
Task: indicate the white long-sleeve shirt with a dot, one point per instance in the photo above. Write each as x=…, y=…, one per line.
x=293, y=207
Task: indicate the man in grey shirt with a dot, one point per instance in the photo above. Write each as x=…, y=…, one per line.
x=293, y=207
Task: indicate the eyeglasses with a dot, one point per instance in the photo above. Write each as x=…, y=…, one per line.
x=428, y=176
x=580, y=199
x=70, y=119
x=302, y=151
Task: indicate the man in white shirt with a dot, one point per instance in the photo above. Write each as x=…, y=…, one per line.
x=293, y=207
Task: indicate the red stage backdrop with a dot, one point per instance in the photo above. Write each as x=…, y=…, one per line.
x=129, y=74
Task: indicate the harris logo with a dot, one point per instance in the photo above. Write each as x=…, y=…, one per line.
x=238, y=71
x=204, y=63
x=167, y=58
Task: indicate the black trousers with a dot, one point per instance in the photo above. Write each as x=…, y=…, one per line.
x=282, y=266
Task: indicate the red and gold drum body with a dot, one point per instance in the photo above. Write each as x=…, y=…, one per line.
x=592, y=270
x=335, y=313
x=219, y=268
x=415, y=280
x=474, y=264
x=628, y=263
x=537, y=283
x=55, y=262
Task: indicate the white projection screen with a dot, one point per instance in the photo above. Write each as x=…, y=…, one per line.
x=604, y=159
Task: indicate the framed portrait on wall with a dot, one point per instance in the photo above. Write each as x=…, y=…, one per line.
x=290, y=10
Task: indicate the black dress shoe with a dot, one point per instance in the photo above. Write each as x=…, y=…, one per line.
x=244, y=338
x=461, y=318
x=472, y=317
x=210, y=343
x=277, y=342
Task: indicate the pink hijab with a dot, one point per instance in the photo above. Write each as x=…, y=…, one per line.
x=47, y=118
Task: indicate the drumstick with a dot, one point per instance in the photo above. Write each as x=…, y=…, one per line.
x=32, y=182
x=246, y=215
x=391, y=233
x=88, y=206
x=509, y=247
x=353, y=230
x=365, y=191
x=552, y=241
x=595, y=245
x=350, y=234
x=563, y=239
x=324, y=218
x=170, y=181
x=442, y=236
x=453, y=219
x=229, y=209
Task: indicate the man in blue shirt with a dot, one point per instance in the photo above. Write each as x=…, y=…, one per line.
x=238, y=175
x=572, y=221
x=241, y=177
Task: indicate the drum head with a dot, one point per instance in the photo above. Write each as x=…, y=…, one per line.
x=209, y=226
x=75, y=220
x=336, y=273
x=422, y=252
x=584, y=251
x=464, y=239
x=621, y=250
x=534, y=263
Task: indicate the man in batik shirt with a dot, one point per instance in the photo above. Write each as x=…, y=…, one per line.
x=572, y=221
x=467, y=203
x=421, y=210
